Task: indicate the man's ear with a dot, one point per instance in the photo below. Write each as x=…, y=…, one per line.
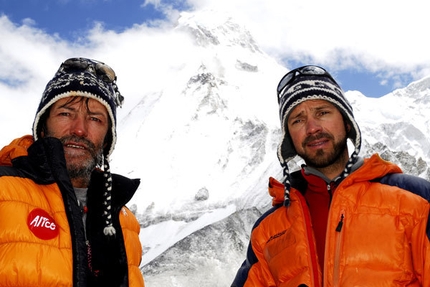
x=347, y=127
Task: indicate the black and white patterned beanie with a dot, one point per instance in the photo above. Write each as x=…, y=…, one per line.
x=92, y=79
x=312, y=87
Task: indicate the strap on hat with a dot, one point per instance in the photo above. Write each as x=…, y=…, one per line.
x=109, y=230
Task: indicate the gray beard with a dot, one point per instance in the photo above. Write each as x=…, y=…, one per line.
x=83, y=171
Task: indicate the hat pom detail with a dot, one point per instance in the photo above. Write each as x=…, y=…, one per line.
x=109, y=231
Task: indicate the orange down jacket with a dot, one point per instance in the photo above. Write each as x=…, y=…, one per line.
x=376, y=236
x=42, y=238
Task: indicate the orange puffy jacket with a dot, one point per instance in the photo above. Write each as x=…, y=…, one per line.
x=376, y=236
x=42, y=238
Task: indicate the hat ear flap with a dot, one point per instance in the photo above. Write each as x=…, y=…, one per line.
x=286, y=150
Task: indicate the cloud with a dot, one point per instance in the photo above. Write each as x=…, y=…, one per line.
x=389, y=33
x=388, y=38
x=144, y=58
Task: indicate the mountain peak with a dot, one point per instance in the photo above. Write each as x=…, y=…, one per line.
x=214, y=28
x=418, y=90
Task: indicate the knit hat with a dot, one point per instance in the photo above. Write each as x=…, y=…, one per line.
x=311, y=83
x=92, y=79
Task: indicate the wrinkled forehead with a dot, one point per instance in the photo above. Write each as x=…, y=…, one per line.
x=78, y=101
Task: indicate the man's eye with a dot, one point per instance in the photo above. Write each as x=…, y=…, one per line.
x=95, y=119
x=296, y=121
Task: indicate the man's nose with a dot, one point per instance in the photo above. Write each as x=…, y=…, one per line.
x=79, y=127
x=312, y=126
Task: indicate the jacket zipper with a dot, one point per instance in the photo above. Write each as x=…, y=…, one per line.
x=338, y=246
x=311, y=243
x=90, y=260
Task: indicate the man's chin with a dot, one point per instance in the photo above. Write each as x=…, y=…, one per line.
x=320, y=159
x=81, y=170
x=79, y=162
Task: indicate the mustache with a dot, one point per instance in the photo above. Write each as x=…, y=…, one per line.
x=88, y=144
x=318, y=136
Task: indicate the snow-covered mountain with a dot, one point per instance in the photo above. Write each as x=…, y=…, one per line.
x=205, y=144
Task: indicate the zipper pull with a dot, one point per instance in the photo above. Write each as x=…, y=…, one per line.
x=340, y=224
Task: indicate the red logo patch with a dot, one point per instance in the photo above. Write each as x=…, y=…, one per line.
x=42, y=224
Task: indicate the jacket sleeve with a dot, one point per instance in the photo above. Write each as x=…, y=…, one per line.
x=244, y=270
x=420, y=246
x=420, y=187
x=254, y=271
x=426, y=279
x=414, y=184
x=411, y=183
x=131, y=229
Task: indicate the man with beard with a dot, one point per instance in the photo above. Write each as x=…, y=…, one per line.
x=341, y=220
x=63, y=219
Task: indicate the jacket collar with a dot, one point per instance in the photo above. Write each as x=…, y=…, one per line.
x=44, y=162
x=312, y=171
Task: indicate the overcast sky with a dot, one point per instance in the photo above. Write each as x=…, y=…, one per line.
x=370, y=46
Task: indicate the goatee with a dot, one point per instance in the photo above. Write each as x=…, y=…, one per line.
x=323, y=158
